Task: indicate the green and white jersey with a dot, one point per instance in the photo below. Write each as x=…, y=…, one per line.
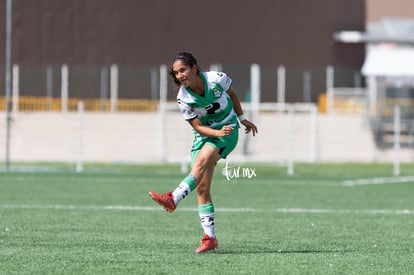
x=215, y=108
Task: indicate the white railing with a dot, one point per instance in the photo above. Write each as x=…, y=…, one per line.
x=288, y=133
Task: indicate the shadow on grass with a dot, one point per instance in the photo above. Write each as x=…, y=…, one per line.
x=267, y=251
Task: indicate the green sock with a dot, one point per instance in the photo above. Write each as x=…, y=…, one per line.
x=206, y=213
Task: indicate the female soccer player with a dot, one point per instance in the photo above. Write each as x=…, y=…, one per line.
x=211, y=106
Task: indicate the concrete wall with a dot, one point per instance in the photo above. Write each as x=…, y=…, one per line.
x=135, y=137
x=142, y=32
x=139, y=35
x=377, y=9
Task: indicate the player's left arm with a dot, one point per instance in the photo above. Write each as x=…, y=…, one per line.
x=249, y=126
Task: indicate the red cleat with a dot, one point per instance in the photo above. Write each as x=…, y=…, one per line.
x=166, y=200
x=207, y=243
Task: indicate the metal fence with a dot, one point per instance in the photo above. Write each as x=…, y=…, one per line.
x=142, y=82
x=108, y=91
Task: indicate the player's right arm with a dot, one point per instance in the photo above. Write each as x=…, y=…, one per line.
x=207, y=131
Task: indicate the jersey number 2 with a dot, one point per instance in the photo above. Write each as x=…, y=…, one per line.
x=212, y=108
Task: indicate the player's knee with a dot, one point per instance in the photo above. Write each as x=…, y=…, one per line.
x=208, y=158
x=201, y=164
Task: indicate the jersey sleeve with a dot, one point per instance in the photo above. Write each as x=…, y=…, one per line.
x=187, y=111
x=221, y=79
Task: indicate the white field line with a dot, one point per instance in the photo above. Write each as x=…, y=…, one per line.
x=389, y=180
x=187, y=209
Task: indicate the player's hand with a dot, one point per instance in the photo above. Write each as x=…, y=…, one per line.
x=225, y=131
x=249, y=127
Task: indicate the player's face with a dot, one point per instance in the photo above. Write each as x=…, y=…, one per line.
x=184, y=73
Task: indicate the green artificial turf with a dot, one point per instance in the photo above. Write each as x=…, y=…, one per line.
x=325, y=219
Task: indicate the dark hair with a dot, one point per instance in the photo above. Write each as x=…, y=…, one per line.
x=186, y=58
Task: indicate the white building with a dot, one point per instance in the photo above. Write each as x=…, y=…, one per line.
x=389, y=71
